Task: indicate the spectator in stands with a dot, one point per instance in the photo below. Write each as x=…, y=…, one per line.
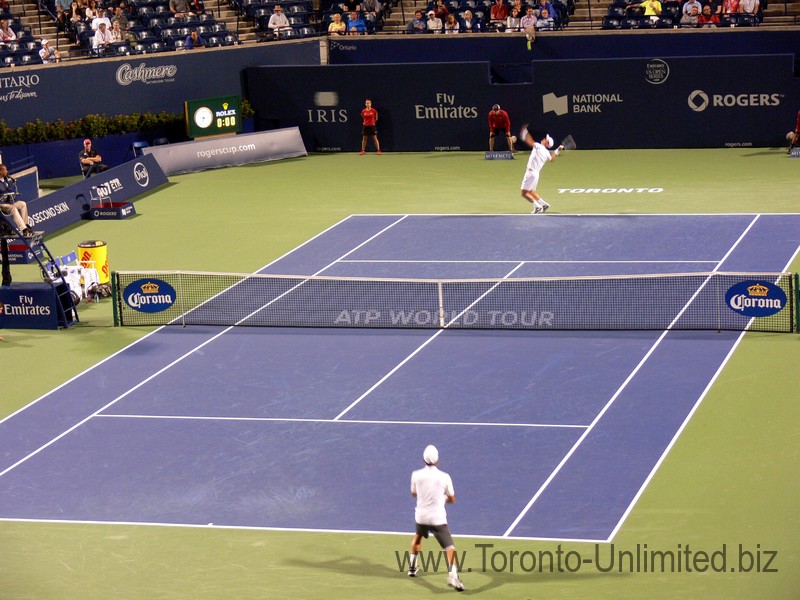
x=529, y=20
x=180, y=8
x=433, y=24
x=749, y=7
x=371, y=9
x=417, y=24
x=101, y=17
x=194, y=40
x=542, y=4
x=117, y=35
x=498, y=15
x=356, y=25
x=89, y=10
x=545, y=22
x=278, y=22
x=197, y=7
x=707, y=19
x=101, y=39
x=715, y=6
x=64, y=4
x=352, y=5
x=121, y=18
x=76, y=14
x=91, y=161
x=470, y=24
x=9, y=205
x=337, y=26
x=451, y=24
x=6, y=33
x=690, y=4
x=652, y=8
x=730, y=7
x=690, y=19
x=441, y=10
x=513, y=21
x=48, y=54
x=499, y=124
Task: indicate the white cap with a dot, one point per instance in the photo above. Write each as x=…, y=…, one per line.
x=548, y=141
x=45, y=42
x=430, y=455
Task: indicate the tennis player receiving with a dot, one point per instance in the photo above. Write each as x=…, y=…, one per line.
x=540, y=155
x=432, y=489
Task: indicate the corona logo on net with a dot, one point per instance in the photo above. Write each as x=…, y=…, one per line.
x=149, y=295
x=755, y=298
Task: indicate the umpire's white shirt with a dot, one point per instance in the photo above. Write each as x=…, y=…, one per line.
x=432, y=487
x=538, y=158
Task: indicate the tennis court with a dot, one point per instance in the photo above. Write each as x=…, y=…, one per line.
x=552, y=434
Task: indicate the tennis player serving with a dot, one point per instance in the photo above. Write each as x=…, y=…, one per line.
x=540, y=155
x=433, y=488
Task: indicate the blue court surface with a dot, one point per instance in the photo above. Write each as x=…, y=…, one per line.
x=547, y=434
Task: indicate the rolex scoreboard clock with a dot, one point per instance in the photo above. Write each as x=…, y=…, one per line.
x=213, y=116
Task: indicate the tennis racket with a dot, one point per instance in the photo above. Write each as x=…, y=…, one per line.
x=568, y=143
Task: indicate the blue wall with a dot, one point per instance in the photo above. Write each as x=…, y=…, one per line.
x=672, y=102
x=149, y=83
x=503, y=52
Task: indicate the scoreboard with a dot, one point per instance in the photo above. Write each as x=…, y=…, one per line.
x=213, y=116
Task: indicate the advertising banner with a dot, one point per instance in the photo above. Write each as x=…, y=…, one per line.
x=68, y=205
x=30, y=306
x=700, y=102
x=228, y=151
x=136, y=84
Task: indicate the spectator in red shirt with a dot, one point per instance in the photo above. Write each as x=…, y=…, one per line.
x=498, y=15
x=370, y=120
x=499, y=123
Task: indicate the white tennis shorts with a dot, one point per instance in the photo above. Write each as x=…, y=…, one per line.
x=531, y=179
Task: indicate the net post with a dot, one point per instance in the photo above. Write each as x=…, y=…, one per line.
x=180, y=295
x=114, y=286
x=796, y=279
x=439, y=286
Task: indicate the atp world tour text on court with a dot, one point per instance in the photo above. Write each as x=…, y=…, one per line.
x=495, y=318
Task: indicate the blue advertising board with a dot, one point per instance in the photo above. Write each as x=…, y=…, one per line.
x=672, y=102
x=137, y=84
x=30, y=306
x=68, y=205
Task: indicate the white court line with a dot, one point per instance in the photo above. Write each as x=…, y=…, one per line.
x=622, y=387
x=173, y=363
x=144, y=337
x=419, y=348
x=532, y=262
x=675, y=437
x=460, y=536
x=340, y=422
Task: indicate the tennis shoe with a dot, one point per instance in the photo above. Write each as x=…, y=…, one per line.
x=362, y=152
x=545, y=205
x=379, y=152
x=455, y=582
x=537, y=209
x=412, y=571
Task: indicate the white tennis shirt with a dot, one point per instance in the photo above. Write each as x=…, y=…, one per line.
x=432, y=487
x=538, y=158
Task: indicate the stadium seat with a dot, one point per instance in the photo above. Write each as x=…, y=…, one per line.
x=665, y=22
x=137, y=147
x=631, y=23
x=617, y=11
x=671, y=9
x=746, y=20
x=611, y=22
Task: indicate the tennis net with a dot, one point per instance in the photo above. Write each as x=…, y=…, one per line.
x=688, y=301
